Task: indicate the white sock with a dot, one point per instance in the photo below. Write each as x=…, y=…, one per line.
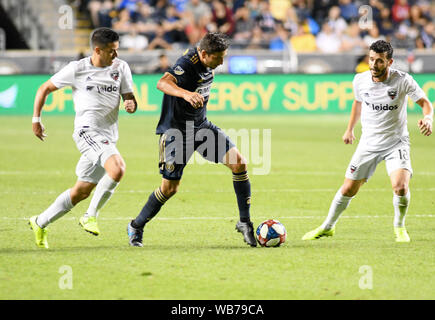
x=400, y=204
x=58, y=208
x=104, y=190
x=338, y=205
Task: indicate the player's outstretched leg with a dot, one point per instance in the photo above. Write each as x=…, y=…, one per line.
x=340, y=202
x=62, y=205
x=327, y=229
x=155, y=202
x=57, y=209
x=115, y=169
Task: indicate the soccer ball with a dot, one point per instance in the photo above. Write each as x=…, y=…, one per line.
x=271, y=233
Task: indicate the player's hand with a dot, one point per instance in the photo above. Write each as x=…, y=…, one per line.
x=130, y=106
x=348, y=137
x=195, y=99
x=425, y=126
x=38, y=130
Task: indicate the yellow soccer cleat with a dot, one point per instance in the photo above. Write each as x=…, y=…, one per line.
x=318, y=233
x=40, y=233
x=90, y=225
x=401, y=234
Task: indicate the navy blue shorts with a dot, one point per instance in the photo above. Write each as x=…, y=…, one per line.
x=177, y=146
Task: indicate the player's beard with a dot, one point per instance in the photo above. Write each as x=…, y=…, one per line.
x=379, y=73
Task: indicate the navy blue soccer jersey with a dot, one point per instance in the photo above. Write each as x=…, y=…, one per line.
x=192, y=76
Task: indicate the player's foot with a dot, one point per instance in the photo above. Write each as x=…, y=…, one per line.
x=247, y=229
x=318, y=233
x=401, y=234
x=40, y=233
x=134, y=236
x=90, y=225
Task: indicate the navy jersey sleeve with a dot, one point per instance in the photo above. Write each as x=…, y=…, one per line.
x=183, y=71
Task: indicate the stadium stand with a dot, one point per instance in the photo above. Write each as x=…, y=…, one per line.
x=285, y=36
x=407, y=24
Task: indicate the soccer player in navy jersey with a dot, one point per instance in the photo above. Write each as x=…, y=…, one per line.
x=184, y=128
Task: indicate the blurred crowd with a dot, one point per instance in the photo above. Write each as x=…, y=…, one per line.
x=328, y=26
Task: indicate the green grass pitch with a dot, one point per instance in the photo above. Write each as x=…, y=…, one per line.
x=191, y=250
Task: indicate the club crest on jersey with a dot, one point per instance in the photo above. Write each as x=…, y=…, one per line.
x=392, y=93
x=170, y=167
x=178, y=71
x=114, y=75
x=105, y=141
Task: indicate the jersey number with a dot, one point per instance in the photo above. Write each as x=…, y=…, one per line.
x=403, y=154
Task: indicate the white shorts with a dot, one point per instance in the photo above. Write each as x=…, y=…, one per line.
x=364, y=162
x=95, y=149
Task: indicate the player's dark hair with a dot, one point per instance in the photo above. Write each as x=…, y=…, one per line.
x=101, y=37
x=214, y=42
x=381, y=46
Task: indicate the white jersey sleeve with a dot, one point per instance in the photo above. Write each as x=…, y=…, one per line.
x=126, y=80
x=65, y=76
x=355, y=84
x=412, y=88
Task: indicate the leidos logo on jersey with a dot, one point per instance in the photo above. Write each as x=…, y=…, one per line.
x=111, y=88
x=382, y=107
x=102, y=89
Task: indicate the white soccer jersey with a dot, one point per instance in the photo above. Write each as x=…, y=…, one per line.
x=96, y=93
x=383, y=107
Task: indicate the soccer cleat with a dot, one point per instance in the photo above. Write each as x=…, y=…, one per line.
x=318, y=233
x=401, y=234
x=89, y=224
x=247, y=229
x=40, y=233
x=134, y=236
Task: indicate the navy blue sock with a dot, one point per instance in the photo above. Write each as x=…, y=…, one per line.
x=155, y=201
x=242, y=187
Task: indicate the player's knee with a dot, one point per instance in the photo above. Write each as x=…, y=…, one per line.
x=239, y=165
x=117, y=172
x=400, y=189
x=115, y=167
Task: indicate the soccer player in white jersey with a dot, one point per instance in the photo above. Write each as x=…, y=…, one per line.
x=381, y=102
x=97, y=82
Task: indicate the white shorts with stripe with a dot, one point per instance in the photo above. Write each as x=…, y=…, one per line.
x=95, y=149
x=364, y=162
